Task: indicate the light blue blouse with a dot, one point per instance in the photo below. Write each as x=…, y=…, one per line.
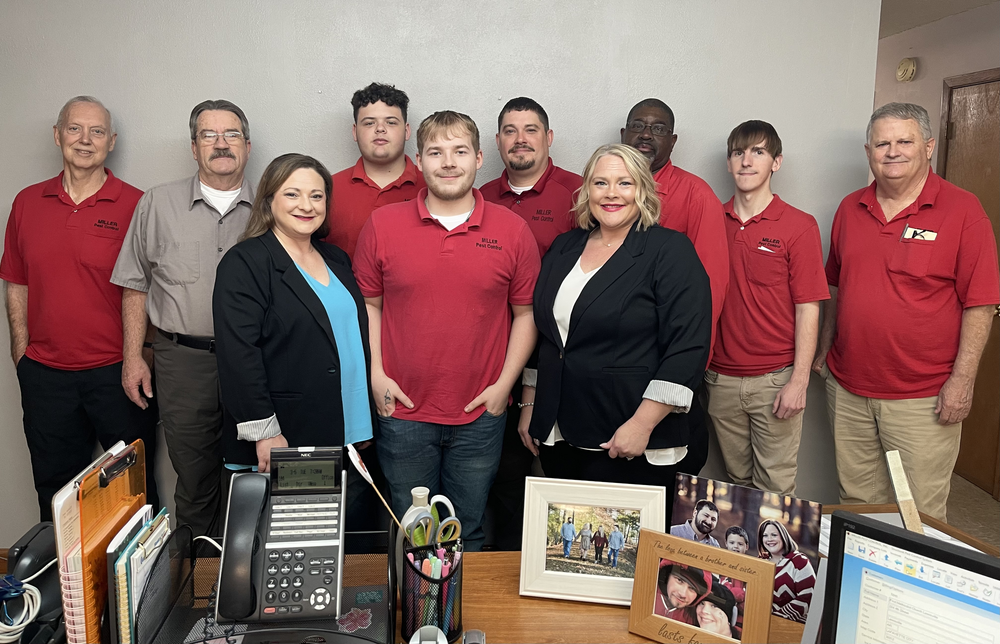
x=343, y=313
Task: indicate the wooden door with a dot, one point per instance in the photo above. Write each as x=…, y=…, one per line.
x=970, y=158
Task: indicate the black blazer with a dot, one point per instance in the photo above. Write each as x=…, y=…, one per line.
x=646, y=315
x=275, y=346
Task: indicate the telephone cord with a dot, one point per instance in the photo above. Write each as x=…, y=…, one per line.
x=32, y=600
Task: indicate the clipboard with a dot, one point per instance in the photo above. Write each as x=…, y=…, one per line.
x=109, y=496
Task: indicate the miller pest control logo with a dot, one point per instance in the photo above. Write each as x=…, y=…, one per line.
x=543, y=215
x=106, y=224
x=490, y=243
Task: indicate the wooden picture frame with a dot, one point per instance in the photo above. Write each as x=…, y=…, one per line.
x=712, y=563
x=539, y=579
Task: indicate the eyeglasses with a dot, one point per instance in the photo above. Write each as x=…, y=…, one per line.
x=658, y=129
x=231, y=136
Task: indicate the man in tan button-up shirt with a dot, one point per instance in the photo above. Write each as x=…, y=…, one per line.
x=178, y=235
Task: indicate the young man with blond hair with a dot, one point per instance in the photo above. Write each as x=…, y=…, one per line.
x=441, y=275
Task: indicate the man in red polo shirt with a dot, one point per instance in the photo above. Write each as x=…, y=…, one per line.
x=543, y=194
x=767, y=333
x=914, y=285
x=63, y=237
x=531, y=185
x=688, y=206
x=383, y=175
x=440, y=276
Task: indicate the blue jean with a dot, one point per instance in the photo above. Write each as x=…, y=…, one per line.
x=567, y=544
x=459, y=461
x=613, y=557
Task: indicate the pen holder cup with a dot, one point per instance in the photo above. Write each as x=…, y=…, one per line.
x=430, y=601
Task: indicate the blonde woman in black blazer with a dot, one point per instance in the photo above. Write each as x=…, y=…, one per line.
x=623, y=310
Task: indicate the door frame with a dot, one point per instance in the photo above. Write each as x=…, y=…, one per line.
x=950, y=83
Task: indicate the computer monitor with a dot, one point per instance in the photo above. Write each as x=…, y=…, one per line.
x=885, y=584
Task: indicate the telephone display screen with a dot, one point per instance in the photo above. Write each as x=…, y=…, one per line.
x=307, y=475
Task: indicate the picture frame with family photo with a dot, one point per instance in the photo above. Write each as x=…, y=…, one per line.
x=686, y=591
x=781, y=529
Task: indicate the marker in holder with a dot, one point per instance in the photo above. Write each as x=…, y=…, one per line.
x=431, y=589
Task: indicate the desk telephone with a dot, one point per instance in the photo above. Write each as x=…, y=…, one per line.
x=282, y=557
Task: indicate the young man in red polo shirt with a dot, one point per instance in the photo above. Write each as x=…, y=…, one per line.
x=688, y=206
x=63, y=237
x=767, y=333
x=542, y=194
x=914, y=285
x=383, y=174
x=441, y=275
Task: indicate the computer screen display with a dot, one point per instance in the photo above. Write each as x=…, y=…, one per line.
x=889, y=586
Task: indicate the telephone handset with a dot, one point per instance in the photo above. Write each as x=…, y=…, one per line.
x=281, y=555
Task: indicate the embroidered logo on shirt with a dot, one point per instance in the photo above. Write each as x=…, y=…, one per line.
x=106, y=224
x=769, y=244
x=491, y=244
x=543, y=215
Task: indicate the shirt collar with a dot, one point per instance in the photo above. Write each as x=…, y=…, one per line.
x=539, y=185
x=409, y=174
x=110, y=191
x=927, y=197
x=475, y=219
x=246, y=192
x=773, y=211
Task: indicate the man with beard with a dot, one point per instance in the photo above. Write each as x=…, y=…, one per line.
x=543, y=195
x=167, y=264
x=678, y=589
x=383, y=174
x=699, y=527
x=688, y=206
x=441, y=275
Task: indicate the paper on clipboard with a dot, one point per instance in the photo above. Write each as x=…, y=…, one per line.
x=141, y=561
x=109, y=496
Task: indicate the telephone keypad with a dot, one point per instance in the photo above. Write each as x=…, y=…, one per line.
x=273, y=556
x=272, y=569
x=297, y=582
x=285, y=582
x=270, y=597
x=285, y=569
x=298, y=568
x=272, y=583
x=283, y=596
x=296, y=595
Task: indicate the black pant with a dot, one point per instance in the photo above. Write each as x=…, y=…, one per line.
x=506, y=500
x=563, y=461
x=65, y=412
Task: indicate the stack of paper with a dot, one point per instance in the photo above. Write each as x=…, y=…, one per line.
x=117, y=546
x=132, y=570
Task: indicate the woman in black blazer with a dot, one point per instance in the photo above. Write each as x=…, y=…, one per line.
x=623, y=310
x=291, y=328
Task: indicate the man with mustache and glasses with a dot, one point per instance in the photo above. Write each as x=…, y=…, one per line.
x=441, y=275
x=178, y=235
x=543, y=195
x=688, y=206
x=63, y=236
x=383, y=174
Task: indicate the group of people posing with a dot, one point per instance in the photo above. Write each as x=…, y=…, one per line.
x=794, y=576
x=395, y=307
x=588, y=537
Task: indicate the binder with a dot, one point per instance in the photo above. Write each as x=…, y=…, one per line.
x=117, y=546
x=66, y=521
x=109, y=496
x=132, y=570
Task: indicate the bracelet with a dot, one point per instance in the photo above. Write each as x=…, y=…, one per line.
x=147, y=345
x=522, y=405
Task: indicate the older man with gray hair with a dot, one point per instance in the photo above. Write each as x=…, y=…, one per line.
x=167, y=266
x=63, y=237
x=914, y=284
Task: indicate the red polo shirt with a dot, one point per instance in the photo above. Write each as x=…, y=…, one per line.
x=355, y=197
x=445, y=315
x=547, y=207
x=776, y=262
x=900, y=298
x=689, y=206
x=64, y=253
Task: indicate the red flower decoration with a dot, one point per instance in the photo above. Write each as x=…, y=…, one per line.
x=355, y=620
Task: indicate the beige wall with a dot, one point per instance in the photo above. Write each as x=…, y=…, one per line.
x=293, y=66
x=959, y=44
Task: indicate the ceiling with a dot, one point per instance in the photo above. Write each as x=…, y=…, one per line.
x=900, y=15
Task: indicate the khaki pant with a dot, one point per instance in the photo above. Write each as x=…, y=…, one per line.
x=758, y=448
x=864, y=429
